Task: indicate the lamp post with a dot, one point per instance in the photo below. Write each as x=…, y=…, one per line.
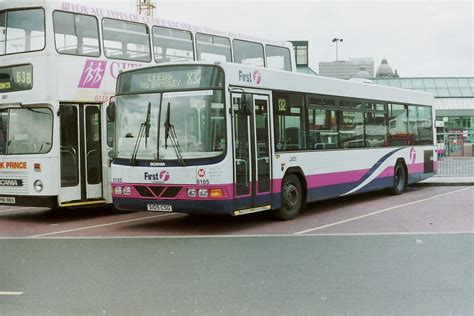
x=337, y=40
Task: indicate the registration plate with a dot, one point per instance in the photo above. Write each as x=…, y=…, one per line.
x=7, y=199
x=159, y=208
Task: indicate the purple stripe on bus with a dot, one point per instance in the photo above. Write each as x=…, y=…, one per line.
x=313, y=181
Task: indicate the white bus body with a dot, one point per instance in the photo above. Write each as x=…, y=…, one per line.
x=298, y=139
x=59, y=158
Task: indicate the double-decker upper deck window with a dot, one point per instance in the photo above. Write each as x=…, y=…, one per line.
x=248, y=53
x=172, y=45
x=76, y=34
x=2, y=32
x=22, y=31
x=126, y=40
x=278, y=57
x=213, y=48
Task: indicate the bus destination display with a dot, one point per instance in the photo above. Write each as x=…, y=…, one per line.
x=16, y=78
x=171, y=78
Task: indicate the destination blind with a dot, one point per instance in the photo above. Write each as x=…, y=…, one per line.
x=170, y=78
x=16, y=78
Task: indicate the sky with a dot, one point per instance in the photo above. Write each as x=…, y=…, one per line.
x=418, y=38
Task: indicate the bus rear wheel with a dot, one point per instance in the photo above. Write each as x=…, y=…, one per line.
x=399, y=179
x=291, y=198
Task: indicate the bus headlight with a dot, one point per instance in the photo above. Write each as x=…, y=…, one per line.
x=203, y=193
x=192, y=193
x=118, y=190
x=38, y=186
x=127, y=191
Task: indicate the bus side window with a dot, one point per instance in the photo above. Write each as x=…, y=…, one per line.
x=213, y=48
x=172, y=44
x=248, y=53
x=76, y=34
x=290, y=130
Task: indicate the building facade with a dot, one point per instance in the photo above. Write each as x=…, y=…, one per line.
x=454, y=107
x=346, y=69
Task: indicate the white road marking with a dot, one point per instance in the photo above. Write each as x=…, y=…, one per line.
x=379, y=212
x=16, y=209
x=440, y=233
x=7, y=293
x=102, y=225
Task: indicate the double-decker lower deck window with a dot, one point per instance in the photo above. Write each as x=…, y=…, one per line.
x=76, y=34
x=26, y=131
x=126, y=40
x=21, y=31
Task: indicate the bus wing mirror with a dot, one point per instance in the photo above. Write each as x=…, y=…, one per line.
x=111, y=111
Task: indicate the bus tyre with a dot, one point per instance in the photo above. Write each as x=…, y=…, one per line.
x=291, y=198
x=399, y=179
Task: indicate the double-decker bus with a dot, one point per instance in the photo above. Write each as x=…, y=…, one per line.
x=233, y=139
x=58, y=63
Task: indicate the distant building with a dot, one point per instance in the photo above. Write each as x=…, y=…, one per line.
x=362, y=74
x=454, y=100
x=385, y=71
x=347, y=69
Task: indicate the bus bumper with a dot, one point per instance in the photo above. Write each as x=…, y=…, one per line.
x=218, y=207
x=25, y=200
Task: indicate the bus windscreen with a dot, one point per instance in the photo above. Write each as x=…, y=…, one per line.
x=170, y=78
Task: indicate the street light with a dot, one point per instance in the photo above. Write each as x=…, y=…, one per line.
x=337, y=40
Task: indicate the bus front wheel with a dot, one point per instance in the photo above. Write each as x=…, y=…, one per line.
x=291, y=198
x=399, y=179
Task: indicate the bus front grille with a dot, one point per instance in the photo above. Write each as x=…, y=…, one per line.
x=158, y=191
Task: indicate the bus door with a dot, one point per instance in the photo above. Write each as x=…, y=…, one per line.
x=80, y=153
x=252, y=143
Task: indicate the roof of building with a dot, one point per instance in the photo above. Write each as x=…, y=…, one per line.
x=454, y=106
x=440, y=87
x=384, y=69
x=362, y=73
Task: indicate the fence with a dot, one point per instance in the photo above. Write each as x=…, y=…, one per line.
x=456, y=153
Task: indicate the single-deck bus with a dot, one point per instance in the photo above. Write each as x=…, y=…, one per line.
x=232, y=139
x=58, y=63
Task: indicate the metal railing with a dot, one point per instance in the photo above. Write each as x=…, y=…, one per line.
x=456, y=153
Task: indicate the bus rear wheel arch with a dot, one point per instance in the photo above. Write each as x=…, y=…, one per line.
x=292, y=198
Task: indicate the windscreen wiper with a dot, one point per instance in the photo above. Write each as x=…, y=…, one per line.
x=171, y=133
x=144, y=131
